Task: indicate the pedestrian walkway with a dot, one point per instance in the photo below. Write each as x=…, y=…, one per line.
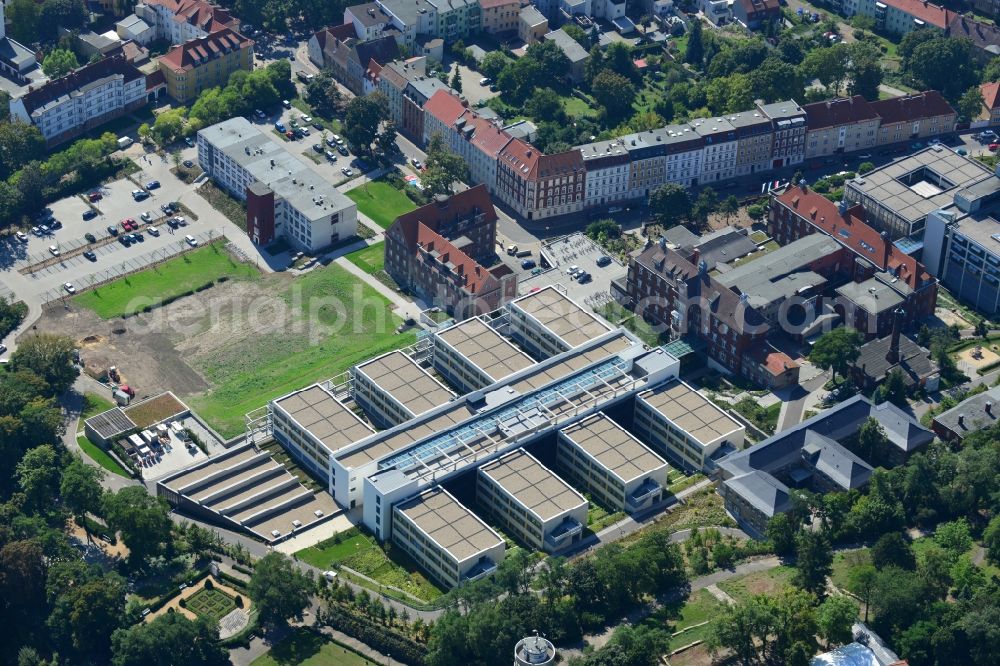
x=404, y=308
x=721, y=595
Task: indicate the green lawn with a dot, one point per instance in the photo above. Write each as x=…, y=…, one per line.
x=577, y=108
x=213, y=604
x=844, y=562
x=698, y=608
x=360, y=552
x=100, y=456
x=308, y=648
x=339, y=321
x=381, y=202
x=167, y=281
x=770, y=583
x=370, y=259
x=94, y=404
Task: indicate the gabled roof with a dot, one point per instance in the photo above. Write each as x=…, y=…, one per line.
x=764, y=492
x=923, y=10
x=337, y=32
x=839, y=111
x=991, y=95
x=851, y=230
x=983, y=35
x=531, y=163
x=472, y=276
x=433, y=215
x=197, y=52
x=445, y=107
x=928, y=104
x=915, y=362
x=78, y=79
x=834, y=461
x=199, y=13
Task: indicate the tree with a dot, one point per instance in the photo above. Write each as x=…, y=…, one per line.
x=86, y=613
x=552, y=62
x=781, y=531
x=59, y=62
x=955, y=537
x=865, y=70
x=362, y=119
x=142, y=519
x=829, y=65
x=970, y=104
x=493, y=63
x=835, y=618
x=23, y=17
x=865, y=167
x=945, y=64
x=169, y=125
x=871, y=443
x=991, y=72
x=80, y=488
x=324, y=96
x=813, y=562
x=279, y=589
x=456, y=80
x=48, y=356
x=69, y=14
x=169, y=639
x=545, y=105
x=20, y=143
x=22, y=586
x=893, y=389
x=578, y=34
x=729, y=206
x=764, y=629
x=861, y=581
x=893, y=550
x=991, y=540
x=670, y=203
x=695, y=54
x=38, y=475
x=837, y=350
x=444, y=168
x=614, y=93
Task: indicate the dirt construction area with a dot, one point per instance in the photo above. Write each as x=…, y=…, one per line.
x=228, y=349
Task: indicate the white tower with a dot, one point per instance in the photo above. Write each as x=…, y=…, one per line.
x=534, y=651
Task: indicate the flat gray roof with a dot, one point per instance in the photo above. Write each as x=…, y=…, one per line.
x=872, y=294
x=690, y=411
x=914, y=201
x=325, y=417
x=532, y=484
x=409, y=384
x=567, y=320
x=449, y=524
x=486, y=349
x=618, y=451
x=111, y=423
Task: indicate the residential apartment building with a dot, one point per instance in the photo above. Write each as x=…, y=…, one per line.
x=456, y=19
x=911, y=117
x=718, y=160
x=677, y=292
x=789, y=123
x=607, y=174
x=369, y=20
x=500, y=17
x=65, y=108
x=991, y=102
x=285, y=198
x=394, y=78
x=179, y=21
x=347, y=57
x=752, y=14
x=412, y=18
x=417, y=91
x=393, y=389
x=536, y=185
x=617, y=469
x=754, y=141
x=447, y=540
x=475, y=139
x=440, y=251
x=530, y=502
x=899, y=17
x=204, y=63
x=840, y=126
x=798, y=212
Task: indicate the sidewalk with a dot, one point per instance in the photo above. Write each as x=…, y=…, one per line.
x=404, y=308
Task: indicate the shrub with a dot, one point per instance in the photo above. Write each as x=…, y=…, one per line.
x=209, y=585
x=182, y=603
x=239, y=601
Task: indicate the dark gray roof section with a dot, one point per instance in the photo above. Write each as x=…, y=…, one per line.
x=973, y=412
x=835, y=462
x=914, y=361
x=681, y=236
x=111, y=424
x=724, y=245
x=764, y=492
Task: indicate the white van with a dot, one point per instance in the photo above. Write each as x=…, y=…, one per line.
x=191, y=240
x=124, y=142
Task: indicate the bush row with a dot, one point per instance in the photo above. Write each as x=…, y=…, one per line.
x=234, y=582
x=378, y=638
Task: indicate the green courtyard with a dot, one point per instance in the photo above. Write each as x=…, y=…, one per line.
x=165, y=282
x=370, y=259
x=381, y=202
x=213, y=604
x=308, y=648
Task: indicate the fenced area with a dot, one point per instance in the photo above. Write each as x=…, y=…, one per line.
x=211, y=603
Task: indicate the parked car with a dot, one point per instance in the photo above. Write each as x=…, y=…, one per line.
x=89, y=214
x=167, y=208
x=153, y=231
x=112, y=230
x=187, y=164
x=21, y=236
x=347, y=171
x=137, y=236
x=603, y=260
x=70, y=289
x=260, y=115
x=290, y=135
x=528, y=263
x=91, y=238
x=485, y=81
x=55, y=224
x=140, y=195
x=180, y=221
x=280, y=127
x=285, y=103
x=191, y=240
x=90, y=255
x=573, y=270
x=172, y=223
x=36, y=231
x=342, y=149
x=318, y=147
x=330, y=142
x=306, y=119
x=153, y=185
x=146, y=216
x=994, y=147
x=94, y=196
x=124, y=240
x=54, y=251
x=415, y=162
x=45, y=230
x=584, y=276
x=331, y=156
x=318, y=126
x=189, y=141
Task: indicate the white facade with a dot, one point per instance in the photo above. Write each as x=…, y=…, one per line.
x=607, y=184
x=719, y=154
x=165, y=25
x=134, y=28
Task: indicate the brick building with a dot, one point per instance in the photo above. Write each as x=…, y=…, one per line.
x=537, y=185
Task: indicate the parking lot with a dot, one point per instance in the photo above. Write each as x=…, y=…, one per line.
x=576, y=250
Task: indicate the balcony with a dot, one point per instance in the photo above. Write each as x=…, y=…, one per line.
x=483, y=568
x=564, y=534
x=641, y=495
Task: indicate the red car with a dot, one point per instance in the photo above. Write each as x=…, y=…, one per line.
x=290, y=134
x=995, y=147
x=95, y=196
x=128, y=224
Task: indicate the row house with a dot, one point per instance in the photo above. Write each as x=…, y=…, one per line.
x=410, y=18
x=719, y=161
x=349, y=58
x=456, y=19
x=477, y=140
x=65, y=108
x=678, y=294
x=898, y=17
x=536, y=185
x=607, y=168
x=394, y=78
x=788, y=138
x=840, y=125
x=500, y=17
x=753, y=141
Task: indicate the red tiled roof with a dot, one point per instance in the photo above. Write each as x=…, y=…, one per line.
x=56, y=88
x=852, y=231
x=531, y=163
x=457, y=205
x=197, y=52
x=991, y=95
x=928, y=104
x=774, y=361
x=839, y=111
x=490, y=4
x=925, y=11
x=473, y=277
x=199, y=13
x=444, y=106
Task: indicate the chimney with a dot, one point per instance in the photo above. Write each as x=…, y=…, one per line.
x=897, y=323
x=961, y=418
x=886, y=249
x=696, y=256
x=663, y=243
x=989, y=408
